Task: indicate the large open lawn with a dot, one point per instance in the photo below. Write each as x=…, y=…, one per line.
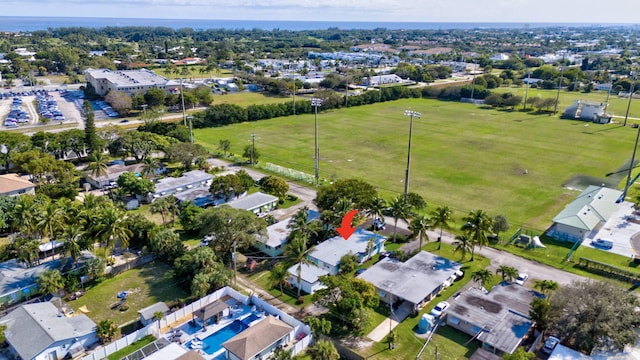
x=146, y=285
x=463, y=156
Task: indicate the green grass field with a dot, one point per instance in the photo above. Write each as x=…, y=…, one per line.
x=463, y=156
x=146, y=285
x=246, y=98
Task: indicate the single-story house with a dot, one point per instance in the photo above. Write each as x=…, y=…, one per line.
x=13, y=185
x=148, y=314
x=260, y=340
x=199, y=196
x=325, y=257
x=586, y=214
x=114, y=172
x=18, y=282
x=273, y=243
x=561, y=352
x=258, y=203
x=39, y=331
x=417, y=280
x=188, y=180
x=499, y=319
x=378, y=80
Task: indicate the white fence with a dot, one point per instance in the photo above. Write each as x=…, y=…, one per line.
x=290, y=173
x=153, y=328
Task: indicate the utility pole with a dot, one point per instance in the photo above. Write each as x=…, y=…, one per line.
x=253, y=146
x=411, y=114
x=294, y=88
x=473, y=81
x=235, y=264
x=184, y=114
x=315, y=102
x=631, y=90
x=555, y=108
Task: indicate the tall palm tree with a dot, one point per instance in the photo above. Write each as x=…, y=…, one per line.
x=149, y=166
x=73, y=241
x=376, y=207
x=98, y=164
x=24, y=215
x=399, y=210
x=477, y=225
x=296, y=253
x=52, y=222
x=112, y=228
x=508, y=273
x=161, y=206
x=463, y=245
x=546, y=286
x=419, y=226
x=440, y=217
x=27, y=250
x=482, y=276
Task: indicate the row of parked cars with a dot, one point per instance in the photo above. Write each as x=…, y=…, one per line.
x=107, y=109
x=48, y=107
x=16, y=115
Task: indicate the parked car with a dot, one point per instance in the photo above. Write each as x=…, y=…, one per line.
x=360, y=271
x=378, y=224
x=522, y=277
x=602, y=244
x=439, y=309
x=550, y=344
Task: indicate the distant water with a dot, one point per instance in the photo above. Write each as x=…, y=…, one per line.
x=19, y=23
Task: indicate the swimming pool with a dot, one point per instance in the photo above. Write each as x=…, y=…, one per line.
x=213, y=342
x=189, y=329
x=251, y=318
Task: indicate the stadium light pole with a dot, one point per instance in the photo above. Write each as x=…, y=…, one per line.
x=631, y=90
x=633, y=159
x=526, y=91
x=315, y=102
x=555, y=108
x=411, y=114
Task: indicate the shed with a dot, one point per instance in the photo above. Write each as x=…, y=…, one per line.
x=147, y=315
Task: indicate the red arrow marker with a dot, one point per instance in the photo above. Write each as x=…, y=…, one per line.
x=346, y=230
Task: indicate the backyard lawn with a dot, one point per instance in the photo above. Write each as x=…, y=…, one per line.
x=463, y=156
x=145, y=285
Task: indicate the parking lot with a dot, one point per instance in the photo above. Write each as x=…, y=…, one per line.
x=70, y=112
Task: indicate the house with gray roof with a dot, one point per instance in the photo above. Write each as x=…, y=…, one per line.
x=499, y=319
x=585, y=215
x=173, y=186
x=325, y=257
x=260, y=340
x=417, y=280
x=273, y=243
x=41, y=331
x=258, y=203
x=148, y=314
x=18, y=282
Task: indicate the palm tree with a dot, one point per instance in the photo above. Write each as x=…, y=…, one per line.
x=149, y=166
x=53, y=219
x=73, y=241
x=161, y=206
x=23, y=215
x=440, y=217
x=50, y=281
x=296, y=253
x=27, y=250
x=98, y=164
x=278, y=276
x=112, y=228
x=546, y=286
x=477, y=225
x=482, y=276
x=399, y=210
x=376, y=207
x=508, y=273
x=462, y=245
x=419, y=226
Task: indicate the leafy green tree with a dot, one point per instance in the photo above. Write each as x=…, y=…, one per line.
x=154, y=97
x=225, y=146
x=477, y=225
x=166, y=245
x=227, y=186
x=348, y=263
x=540, y=312
x=358, y=192
x=415, y=201
x=519, y=354
x=508, y=273
x=318, y=326
x=134, y=185
x=149, y=167
x=111, y=229
x=419, y=226
x=90, y=136
x=375, y=207
x=613, y=307
x=441, y=217
x=296, y=252
x=230, y=226
x=106, y=331
x=251, y=153
x=347, y=298
x=546, y=286
x=10, y=143
x=274, y=185
x=324, y=350
x=188, y=215
x=482, y=277
x=50, y=281
x=161, y=206
x=500, y=224
x=119, y=101
x=185, y=153
x=27, y=250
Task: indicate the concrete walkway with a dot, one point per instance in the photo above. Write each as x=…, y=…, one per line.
x=378, y=334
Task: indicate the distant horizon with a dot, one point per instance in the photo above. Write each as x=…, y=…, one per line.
x=41, y=23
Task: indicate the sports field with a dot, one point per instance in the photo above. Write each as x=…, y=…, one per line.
x=463, y=156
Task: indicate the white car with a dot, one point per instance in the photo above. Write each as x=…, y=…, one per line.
x=439, y=309
x=522, y=278
x=550, y=344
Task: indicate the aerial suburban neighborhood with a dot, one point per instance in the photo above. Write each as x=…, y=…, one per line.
x=371, y=193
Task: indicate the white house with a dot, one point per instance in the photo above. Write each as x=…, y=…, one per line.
x=586, y=214
x=40, y=332
x=325, y=257
x=13, y=185
x=273, y=243
x=114, y=172
x=258, y=203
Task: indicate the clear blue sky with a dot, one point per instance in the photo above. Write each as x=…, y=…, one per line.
x=527, y=11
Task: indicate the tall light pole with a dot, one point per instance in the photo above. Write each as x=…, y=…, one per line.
x=315, y=102
x=411, y=114
x=633, y=159
x=555, y=108
x=606, y=103
x=190, y=118
x=526, y=91
x=631, y=90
